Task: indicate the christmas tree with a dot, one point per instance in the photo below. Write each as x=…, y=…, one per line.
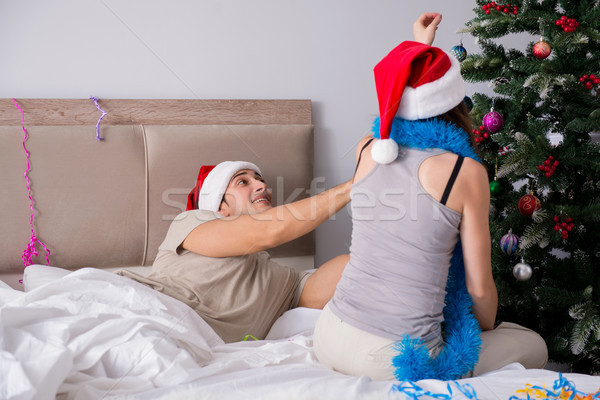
x=535, y=140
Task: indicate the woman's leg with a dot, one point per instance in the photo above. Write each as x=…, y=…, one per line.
x=510, y=343
x=350, y=350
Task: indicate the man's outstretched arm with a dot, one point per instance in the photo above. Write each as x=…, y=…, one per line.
x=246, y=234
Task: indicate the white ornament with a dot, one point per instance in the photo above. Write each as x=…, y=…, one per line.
x=384, y=151
x=522, y=271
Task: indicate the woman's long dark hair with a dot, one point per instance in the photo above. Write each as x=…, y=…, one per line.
x=460, y=117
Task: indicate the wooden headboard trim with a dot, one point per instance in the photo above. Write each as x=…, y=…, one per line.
x=43, y=112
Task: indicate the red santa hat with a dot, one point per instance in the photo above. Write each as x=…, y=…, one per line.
x=414, y=81
x=212, y=183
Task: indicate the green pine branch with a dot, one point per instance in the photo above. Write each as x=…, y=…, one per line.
x=536, y=232
x=552, y=298
x=590, y=213
x=479, y=68
x=587, y=326
x=516, y=162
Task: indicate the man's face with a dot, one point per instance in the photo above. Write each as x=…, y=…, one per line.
x=246, y=194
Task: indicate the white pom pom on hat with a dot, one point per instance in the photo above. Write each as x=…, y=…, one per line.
x=384, y=151
x=414, y=81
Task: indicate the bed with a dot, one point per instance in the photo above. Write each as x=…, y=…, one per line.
x=103, y=192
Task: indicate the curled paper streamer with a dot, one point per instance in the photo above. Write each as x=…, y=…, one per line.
x=467, y=390
x=562, y=389
x=30, y=251
x=414, y=392
x=100, y=119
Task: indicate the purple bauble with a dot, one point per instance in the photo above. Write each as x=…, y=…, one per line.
x=509, y=242
x=493, y=121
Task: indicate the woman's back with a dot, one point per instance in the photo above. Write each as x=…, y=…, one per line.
x=402, y=242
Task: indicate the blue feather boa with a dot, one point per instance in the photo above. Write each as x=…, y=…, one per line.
x=461, y=330
x=429, y=134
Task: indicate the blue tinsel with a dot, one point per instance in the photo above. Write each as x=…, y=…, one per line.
x=462, y=332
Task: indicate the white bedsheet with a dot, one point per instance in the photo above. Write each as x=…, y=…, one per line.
x=92, y=334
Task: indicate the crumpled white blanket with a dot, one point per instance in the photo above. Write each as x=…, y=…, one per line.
x=95, y=335
x=93, y=332
x=286, y=370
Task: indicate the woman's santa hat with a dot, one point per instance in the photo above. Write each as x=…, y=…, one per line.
x=212, y=183
x=414, y=81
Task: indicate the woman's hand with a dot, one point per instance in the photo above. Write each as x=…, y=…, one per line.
x=425, y=26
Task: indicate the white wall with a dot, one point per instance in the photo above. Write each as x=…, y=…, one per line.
x=323, y=50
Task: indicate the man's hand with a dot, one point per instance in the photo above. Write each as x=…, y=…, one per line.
x=425, y=26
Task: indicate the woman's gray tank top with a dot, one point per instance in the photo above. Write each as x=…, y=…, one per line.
x=402, y=242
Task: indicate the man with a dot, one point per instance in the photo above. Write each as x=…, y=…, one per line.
x=213, y=257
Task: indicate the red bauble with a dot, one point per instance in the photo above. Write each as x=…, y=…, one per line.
x=541, y=49
x=528, y=204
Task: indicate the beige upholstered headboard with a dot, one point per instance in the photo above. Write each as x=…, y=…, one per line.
x=109, y=203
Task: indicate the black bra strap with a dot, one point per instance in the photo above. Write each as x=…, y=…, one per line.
x=453, y=176
x=360, y=154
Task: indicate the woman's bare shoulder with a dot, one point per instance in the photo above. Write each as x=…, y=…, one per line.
x=362, y=143
x=475, y=179
x=475, y=170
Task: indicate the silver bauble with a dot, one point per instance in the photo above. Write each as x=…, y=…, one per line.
x=522, y=271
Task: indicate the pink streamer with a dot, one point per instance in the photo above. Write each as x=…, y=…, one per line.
x=100, y=119
x=30, y=251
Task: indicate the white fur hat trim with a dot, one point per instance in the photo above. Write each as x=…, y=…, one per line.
x=216, y=182
x=433, y=98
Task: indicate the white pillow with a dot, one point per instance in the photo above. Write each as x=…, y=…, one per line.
x=293, y=322
x=37, y=275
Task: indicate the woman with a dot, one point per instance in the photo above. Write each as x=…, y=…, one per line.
x=417, y=191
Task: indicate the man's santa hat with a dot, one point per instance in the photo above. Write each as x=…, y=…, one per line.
x=212, y=183
x=414, y=81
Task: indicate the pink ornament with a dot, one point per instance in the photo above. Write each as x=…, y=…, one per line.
x=493, y=121
x=541, y=49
